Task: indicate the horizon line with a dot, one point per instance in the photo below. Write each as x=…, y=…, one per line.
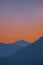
x=21, y=40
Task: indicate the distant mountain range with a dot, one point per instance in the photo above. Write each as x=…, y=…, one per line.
x=9, y=49
x=30, y=55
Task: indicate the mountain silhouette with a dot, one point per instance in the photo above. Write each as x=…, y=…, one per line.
x=9, y=49
x=40, y=40
x=30, y=55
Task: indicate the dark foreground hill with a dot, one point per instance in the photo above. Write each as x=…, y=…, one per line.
x=9, y=49
x=30, y=55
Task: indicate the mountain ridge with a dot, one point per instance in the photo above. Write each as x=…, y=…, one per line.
x=9, y=49
x=40, y=38
x=30, y=55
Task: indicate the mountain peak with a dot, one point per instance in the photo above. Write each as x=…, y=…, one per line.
x=21, y=41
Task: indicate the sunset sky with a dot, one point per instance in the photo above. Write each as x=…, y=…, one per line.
x=21, y=20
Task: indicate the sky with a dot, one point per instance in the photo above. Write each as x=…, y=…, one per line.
x=21, y=20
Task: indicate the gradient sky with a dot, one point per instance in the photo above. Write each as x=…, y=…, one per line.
x=21, y=20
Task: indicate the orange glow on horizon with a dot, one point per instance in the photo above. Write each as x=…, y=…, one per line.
x=13, y=36
x=21, y=21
